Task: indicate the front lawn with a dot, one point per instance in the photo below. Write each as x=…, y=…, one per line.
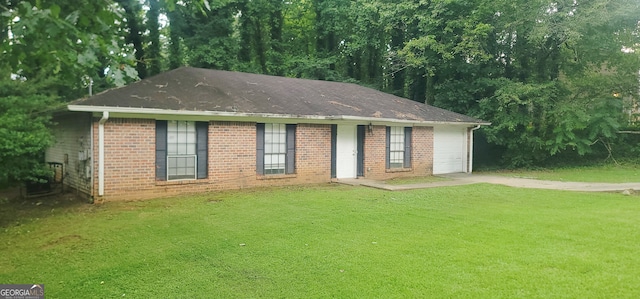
x=610, y=173
x=415, y=180
x=478, y=241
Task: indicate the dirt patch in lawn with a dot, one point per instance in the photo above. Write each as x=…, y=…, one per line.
x=64, y=240
x=15, y=209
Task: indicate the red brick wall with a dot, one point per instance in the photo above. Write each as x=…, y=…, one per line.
x=232, y=155
x=129, y=164
x=375, y=154
x=130, y=158
x=313, y=153
x=422, y=147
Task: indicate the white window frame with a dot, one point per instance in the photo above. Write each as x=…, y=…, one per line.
x=187, y=147
x=275, y=147
x=184, y=176
x=396, y=147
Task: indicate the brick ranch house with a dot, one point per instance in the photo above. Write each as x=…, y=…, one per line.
x=195, y=130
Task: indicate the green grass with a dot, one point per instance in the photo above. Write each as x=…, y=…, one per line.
x=604, y=173
x=476, y=241
x=415, y=180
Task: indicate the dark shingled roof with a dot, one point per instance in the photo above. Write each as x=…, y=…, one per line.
x=195, y=89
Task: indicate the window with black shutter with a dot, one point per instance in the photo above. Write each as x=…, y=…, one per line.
x=398, y=147
x=181, y=150
x=275, y=148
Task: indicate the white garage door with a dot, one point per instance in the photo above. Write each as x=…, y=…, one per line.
x=449, y=150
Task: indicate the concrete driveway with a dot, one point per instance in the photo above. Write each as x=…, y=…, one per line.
x=456, y=179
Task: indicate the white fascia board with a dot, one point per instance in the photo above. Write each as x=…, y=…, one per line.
x=182, y=114
x=128, y=112
x=383, y=121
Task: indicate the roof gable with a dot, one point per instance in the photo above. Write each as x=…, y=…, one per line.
x=205, y=90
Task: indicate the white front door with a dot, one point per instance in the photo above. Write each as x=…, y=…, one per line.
x=346, y=153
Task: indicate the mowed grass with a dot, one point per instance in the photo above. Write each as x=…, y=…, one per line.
x=475, y=241
x=610, y=173
x=415, y=180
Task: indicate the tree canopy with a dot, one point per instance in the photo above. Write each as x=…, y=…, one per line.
x=553, y=77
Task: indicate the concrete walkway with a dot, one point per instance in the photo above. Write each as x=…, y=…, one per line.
x=457, y=179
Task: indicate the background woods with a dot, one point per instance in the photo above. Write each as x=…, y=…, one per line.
x=556, y=78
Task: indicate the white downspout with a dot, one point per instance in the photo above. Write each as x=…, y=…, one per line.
x=470, y=170
x=93, y=156
x=105, y=117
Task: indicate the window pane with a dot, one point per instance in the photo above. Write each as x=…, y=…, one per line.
x=181, y=138
x=275, y=148
x=181, y=149
x=191, y=163
x=181, y=167
x=172, y=125
x=268, y=148
x=396, y=155
x=172, y=148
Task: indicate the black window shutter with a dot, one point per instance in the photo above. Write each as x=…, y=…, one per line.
x=388, y=148
x=161, y=150
x=260, y=148
x=360, y=147
x=202, y=149
x=407, y=146
x=334, y=141
x=290, y=165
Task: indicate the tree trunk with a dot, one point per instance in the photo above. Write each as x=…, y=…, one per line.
x=153, y=54
x=260, y=46
x=398, y=77
x=418, y=86
x=276, y=21
x=430, y=92
x=132, y=9
x=244, y=53
x=175, y=51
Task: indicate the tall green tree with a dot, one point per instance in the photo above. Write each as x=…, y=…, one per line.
x=526, y=66
x=24, y=133
x=362, y=50
x=207, y=38
x=64, y=40
x=261, y=26
x=133, y=20
x=48, y=48
x=554, y=77
x=153, y=56
x=330, y=26
x=175, y=51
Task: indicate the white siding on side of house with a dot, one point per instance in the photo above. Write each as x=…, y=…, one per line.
x=72, y=147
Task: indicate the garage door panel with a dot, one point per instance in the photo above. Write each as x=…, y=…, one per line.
x=449, y=150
